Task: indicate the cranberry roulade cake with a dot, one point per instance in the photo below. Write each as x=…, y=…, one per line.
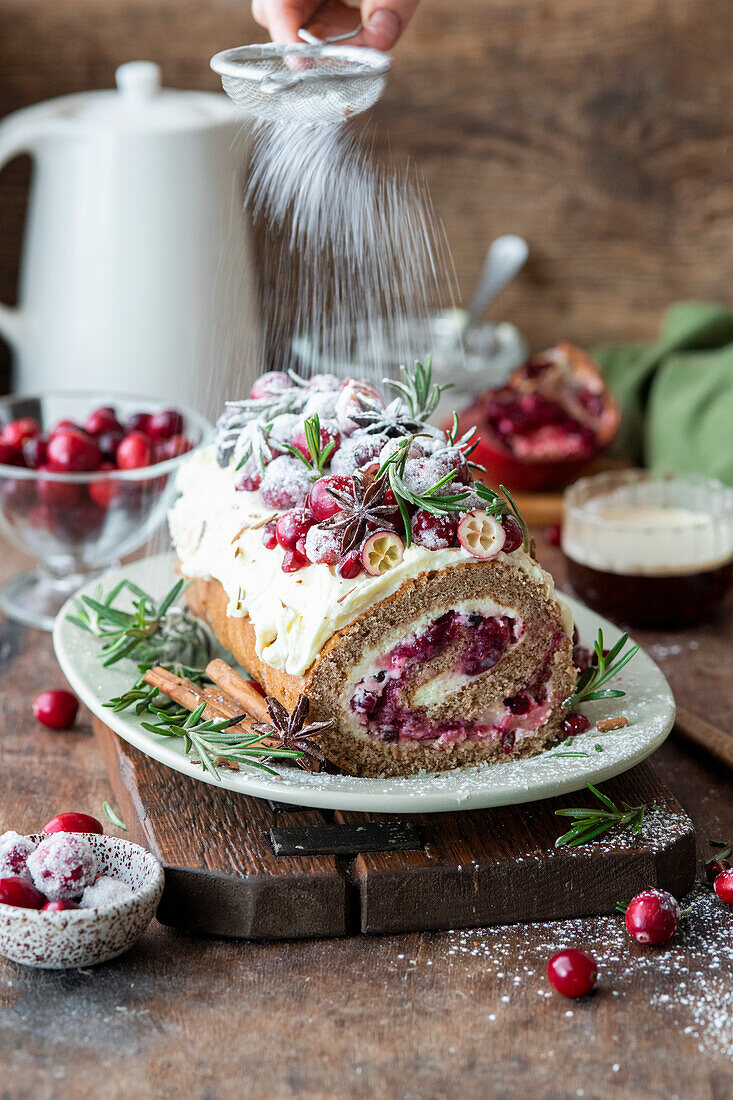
x=340, y=548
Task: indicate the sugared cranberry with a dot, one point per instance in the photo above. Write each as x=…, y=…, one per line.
x=269, y=536
x=572, y=972
x=723, y=886
x=165, y=424
x=102, y=420
x=519, y=704
x=573, y=724
x=434, y=532
x=293, y=561
x=138, y=422
x=322, y=504
x=35, y=452
x=57, y=494
x=63, y=865
x=249, y=482
x=108, y=442
x=59, y=906
x=73, y=823
x=21, y=893
x=350, y=565
x=513, y=533
x=323, y=545
x=292, y=526
x=274, y=381
x=17, y=431
x=14, y=852
x=103, y=492
x=56, y=709
x=653, y=916
x=71, y=450
x=134, y=451
x=329, y=434
x=715, y=867
x=286, y=483
x=553, y=534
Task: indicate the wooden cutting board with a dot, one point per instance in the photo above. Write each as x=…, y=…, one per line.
x=240, y=866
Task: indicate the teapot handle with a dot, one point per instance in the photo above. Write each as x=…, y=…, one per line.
x=15, y=139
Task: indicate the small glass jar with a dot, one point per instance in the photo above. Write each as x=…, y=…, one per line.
x=649, y=550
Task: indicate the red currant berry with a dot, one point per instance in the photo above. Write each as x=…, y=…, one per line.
x=165, y=424
x=104, y=492
x=320, y=501
x=572, y=972
x=71, y=450
x=293, y=561
x=553, y=534
x=108, y=442
x=35, y=451
x=138, y=422
x=653, y=916
x=432, y=531
x=723, y=886
x=58, y=906
x=573, y=724
x=269, y=536
x=102, y=420
x=350, y=565
x=57, y=494
x=134, y=451
x=17, y=431
x=513, y=533
x=73, y=823
x=292, y=526
x=21, y=893
x=56, y=709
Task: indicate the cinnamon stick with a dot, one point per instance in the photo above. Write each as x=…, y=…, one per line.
x=218, y=704
x=237, y=688
x=704, y=735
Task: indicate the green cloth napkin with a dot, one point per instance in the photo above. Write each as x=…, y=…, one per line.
x=676, y=396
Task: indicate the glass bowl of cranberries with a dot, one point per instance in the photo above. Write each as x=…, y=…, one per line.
x=85, y=479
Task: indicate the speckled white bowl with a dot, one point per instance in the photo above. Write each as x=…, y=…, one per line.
x=84, y=937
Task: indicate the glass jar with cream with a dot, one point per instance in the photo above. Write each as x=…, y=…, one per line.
x=649, y=550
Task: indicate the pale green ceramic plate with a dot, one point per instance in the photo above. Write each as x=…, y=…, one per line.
x=649, y=706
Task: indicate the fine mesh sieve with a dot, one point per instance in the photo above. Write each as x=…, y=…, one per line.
x=319, y=83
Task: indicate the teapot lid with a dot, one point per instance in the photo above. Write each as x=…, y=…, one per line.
x=140, y=103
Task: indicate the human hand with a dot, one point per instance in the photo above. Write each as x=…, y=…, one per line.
x=383, y=20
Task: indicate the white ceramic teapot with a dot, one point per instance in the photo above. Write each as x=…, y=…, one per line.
x=136, y=272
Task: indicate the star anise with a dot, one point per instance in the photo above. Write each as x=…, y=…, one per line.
x=361, y=509
x=291, y=733
x=393, y=421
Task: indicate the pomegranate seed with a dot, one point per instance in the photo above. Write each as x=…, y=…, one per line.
x=104, y=492
x=572, y=972
x=71, y=450
x=715, y=867
x=20, y=892
x=513, y=533
x=723, y=886
x=321, y=503
x=35, y=451
x=138, y=422
x=293, y=561
x=57, y=494
x=573, y=724
x=56, y=709
x=73, y=823
x=519, y=704
x=291, y=527
x=653, y=916
x=350, y=565
x=17, y=431
x=134, y=451
x=434, y=532
x=108, y=442
x=165, y=424
x=63, y=865
x=101, y=421
x=59, y=906
x=553, y=534
x=269, y=536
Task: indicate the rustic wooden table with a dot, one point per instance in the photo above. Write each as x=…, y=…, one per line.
x=459, y=1014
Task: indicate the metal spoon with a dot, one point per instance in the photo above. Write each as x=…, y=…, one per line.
x=505, y=258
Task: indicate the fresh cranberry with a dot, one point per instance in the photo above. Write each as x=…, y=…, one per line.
x=21, y=893
x=350, y=565
x=7, y=455
x=723, y=886
x=56, y=709
x=35, y=451
x=434, y=532
x=519, y=704
x=249, y=482
x=103, y=492
x=57, y=494
x=300, y=547
x=321, y=503
x=293, y=561
x=102, y=420
x=134, y=451
x=269, y=536
x=61, y=426
x=653, y=916
x=73, y=823
x=274, y=381
x=59, y=906
x=71, y=450
x=553, y=534
x=108, y=442
x=292, y=526
x=174, y=447
x=573, y=724
x=715, y=867
x=165, y=424
x=513, y=533
x=138, y=422
x=572, y=972
x=329, y=434
x=17, y=431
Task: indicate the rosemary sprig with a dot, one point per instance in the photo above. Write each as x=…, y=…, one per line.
x=432, y=500
x=420, y=393
x=318, y=455
x=113, y=817
x=591, y=822
x=499, y=504
x=590, y=684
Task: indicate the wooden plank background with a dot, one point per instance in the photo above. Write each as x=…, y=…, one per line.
x=602, y=132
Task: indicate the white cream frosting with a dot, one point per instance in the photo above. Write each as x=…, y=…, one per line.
x=217, y=533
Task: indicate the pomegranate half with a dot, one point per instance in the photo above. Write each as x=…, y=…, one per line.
x=540, y=430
